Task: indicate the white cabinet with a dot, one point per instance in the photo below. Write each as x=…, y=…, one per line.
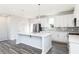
x=38, y=40
x=73, y=48
x=64, y=21
x=74, y=38
x=60, y=37
x=30, y=40
x=74, y=44
x=43, y=21
x=76, y=13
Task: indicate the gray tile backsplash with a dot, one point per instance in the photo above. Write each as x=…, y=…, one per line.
x=64, y=29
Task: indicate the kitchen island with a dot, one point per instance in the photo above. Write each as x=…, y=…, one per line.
x=40, y=40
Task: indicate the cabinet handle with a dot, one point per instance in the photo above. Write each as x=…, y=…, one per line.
x=30, y=36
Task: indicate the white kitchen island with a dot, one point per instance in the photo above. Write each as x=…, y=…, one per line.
x=40, y=40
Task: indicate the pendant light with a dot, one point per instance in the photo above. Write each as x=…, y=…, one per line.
x=39, y=12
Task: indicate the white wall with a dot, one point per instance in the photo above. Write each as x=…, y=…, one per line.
x=23, y=25
x=3, y=28
x=17, y=25
x=12, y=27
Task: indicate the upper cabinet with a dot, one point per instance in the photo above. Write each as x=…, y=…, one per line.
x=44, y=22
x=64, y=20
x=55, y=21
x=76, y=14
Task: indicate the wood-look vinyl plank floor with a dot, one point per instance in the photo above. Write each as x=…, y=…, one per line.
x=7, y=48
x=58, y=48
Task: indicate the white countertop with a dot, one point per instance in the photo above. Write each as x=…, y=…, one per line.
x=40, y=34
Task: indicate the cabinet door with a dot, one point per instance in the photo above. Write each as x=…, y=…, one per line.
x=30, y=40
x=74, y=38
x=64, y=21
x=76, y=14
x=60, y=37
x=63, y=37
x=74, y=44
x=54, y=36
x=58, y=21
x=73, y=48
x=44, y=22
x=23, y=39
x=35, y=42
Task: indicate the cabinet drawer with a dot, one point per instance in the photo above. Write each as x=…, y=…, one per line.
x=74, y=38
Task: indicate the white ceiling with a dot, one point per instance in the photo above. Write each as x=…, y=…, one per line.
x=32, y=10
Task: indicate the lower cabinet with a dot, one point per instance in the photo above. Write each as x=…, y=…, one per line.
x=60, y=37
x=30, y=40
x=74, y=44
x=40, y=42
x=35, y=42
x=73, y=48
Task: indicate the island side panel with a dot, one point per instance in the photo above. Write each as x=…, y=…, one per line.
x=46, y=44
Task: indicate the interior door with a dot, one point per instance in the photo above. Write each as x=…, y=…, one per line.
x=3, y=29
